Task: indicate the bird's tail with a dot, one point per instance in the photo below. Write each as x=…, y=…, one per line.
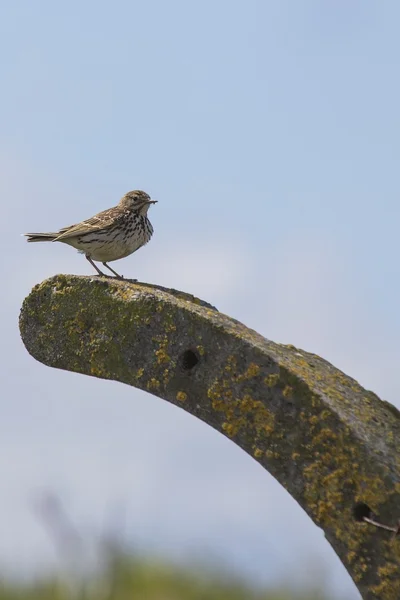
x=41, y=237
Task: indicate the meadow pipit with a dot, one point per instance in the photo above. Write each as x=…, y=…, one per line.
x=111, y=234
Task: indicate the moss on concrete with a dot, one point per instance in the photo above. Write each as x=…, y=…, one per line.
x=326, y=439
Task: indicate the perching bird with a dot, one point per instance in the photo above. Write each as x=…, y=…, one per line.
x=111, y=234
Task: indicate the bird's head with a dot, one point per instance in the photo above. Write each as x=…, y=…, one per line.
x=138, y=201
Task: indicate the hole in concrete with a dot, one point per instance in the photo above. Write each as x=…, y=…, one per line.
x=189, y=360
x=362, y=510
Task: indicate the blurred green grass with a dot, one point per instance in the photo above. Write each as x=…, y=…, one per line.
x=125, y=577
x=120, y=574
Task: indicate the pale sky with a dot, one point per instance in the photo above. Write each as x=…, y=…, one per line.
x=269, y=134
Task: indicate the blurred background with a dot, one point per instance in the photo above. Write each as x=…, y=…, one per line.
x=269, y=133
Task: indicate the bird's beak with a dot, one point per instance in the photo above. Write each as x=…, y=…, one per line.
x=153, y=201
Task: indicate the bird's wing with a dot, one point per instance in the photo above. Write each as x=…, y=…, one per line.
x=103, y=220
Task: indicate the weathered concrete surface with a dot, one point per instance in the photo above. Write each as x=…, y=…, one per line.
x=328, y=441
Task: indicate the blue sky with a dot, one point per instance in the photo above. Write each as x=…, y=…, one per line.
x=269, y=133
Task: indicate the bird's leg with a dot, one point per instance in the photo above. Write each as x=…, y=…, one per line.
x=112, y=271
x=93, y=265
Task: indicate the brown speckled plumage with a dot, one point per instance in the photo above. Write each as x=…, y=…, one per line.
x=111, y=234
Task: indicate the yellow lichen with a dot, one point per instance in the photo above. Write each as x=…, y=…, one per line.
x=252, y=371
x=243, y=413
x=388, y=587
x=230, y=429
x=272, y=455
x=271, y=380
x=181, y=396
x=287, y=392
x=162, y=356
x=153, y=384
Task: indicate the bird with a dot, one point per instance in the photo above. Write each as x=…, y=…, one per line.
x=111, y=234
